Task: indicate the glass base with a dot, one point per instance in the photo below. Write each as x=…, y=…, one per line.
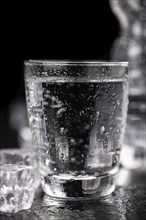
x=78, y=187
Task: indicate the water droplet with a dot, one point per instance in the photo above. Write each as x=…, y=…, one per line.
x=95, y=97
x=56, y=103
x=96, y=174
x=46, y=95
x=83, y=172
x=60, y=111
x=103, y=69
x=45, y=103
x=92, y=151
x=72, y=140
x=118, y=130
x=72, y=159
x=87, y=127
x=81, y=141
x=118, y=102
x=62, y=130
x=89, y=97
x=107, y=134
x=53, y=98
x=102, y=129
x=81, y=112
x=72, y=95
x=91, y=117
x=47, y=162
x=97, y=116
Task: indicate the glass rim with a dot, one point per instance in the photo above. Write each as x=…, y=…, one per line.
x=70, y=63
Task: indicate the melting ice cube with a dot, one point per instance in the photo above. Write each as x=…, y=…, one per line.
x=21, y=157
x=17, y=187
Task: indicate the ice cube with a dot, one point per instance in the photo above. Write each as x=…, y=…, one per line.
x=17, y=187
x=21, y=157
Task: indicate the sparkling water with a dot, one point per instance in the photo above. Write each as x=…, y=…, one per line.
x=77, y=125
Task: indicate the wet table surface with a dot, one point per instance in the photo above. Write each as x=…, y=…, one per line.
x=128, y=202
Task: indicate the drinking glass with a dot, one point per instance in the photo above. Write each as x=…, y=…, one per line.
x=77, y=115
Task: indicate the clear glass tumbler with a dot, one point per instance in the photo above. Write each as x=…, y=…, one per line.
x=77, y=115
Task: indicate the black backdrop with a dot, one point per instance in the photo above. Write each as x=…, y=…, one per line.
x=50, y=31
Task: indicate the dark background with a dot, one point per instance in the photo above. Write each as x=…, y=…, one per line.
x=51, y=31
